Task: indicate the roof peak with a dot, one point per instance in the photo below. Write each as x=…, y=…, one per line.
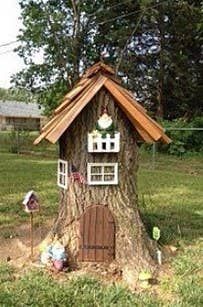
x=94, y=79
x=97, y=67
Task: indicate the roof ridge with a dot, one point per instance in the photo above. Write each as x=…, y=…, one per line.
x=98, y=76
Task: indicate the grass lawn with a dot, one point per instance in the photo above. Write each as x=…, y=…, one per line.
x=170, y=196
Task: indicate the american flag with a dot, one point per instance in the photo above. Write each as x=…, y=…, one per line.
x=76, y=176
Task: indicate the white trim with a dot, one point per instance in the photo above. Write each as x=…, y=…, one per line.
x=62, y=173
x=108, y=144
x=102, y=174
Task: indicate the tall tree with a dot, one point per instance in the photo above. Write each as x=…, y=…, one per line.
x=150, y=41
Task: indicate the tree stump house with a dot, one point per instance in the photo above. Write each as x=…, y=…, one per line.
x=99, y=125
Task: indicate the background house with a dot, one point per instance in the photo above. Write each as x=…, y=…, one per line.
x=20, y=115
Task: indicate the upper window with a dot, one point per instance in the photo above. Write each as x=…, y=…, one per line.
x=99, y=143
x=62, y=175
x=102, y=173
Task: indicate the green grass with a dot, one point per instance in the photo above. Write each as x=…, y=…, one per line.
x=19, y=174
x=39, y=289
x=170, y=196
x=22, y=141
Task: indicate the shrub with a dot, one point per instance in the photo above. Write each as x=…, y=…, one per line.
x=183, y=140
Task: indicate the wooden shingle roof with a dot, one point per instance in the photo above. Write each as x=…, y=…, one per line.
x=96, y=77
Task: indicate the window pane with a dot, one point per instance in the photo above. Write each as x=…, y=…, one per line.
x=95, y=146
x=96, y=169
x=112, y=145
x=108, y=169
x=108, y=177
x=61, y=179
x=96, y=177
x=104, y=145
x=61, y=167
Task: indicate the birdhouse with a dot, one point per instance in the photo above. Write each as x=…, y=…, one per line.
x=31, y=202
x=99, y=125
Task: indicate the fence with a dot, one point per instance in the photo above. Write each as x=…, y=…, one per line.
x=22, y=141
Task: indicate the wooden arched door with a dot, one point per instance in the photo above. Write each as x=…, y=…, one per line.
x=97, y=235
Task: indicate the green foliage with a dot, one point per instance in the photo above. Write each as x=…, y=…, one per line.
x=159, y=51
x=17, y=140
x=21, y=141
x=16, y=94
x=184, y=141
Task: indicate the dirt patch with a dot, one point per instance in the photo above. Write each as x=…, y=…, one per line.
x=17, y=245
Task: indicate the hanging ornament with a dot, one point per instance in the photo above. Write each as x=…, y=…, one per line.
x=105, y=121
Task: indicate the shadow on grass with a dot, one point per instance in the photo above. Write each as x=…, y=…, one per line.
x=174, y=228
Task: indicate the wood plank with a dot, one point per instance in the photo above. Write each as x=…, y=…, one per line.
x=39, y=138
x=132, y=99
x=92, y=234
x=64, y=105
x=109, y=235
x=99, y=233
x=97, y=67
x=136, y=115
x=57, y=118
x=164, y=138
x=144, y=135
x=72, y=95
x=54, y=135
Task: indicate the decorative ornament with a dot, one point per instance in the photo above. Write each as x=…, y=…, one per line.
x=30, y=202
x=95, y=133
x=156, y=233
x=105, y=121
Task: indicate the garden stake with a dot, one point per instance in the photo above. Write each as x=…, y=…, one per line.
x=31, y=235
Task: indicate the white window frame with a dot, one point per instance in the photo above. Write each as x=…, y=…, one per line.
x=102, y=181
x=95, y=143
x=63, y=173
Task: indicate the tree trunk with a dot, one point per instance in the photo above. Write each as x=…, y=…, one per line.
x=160, y=95
x=134, y=250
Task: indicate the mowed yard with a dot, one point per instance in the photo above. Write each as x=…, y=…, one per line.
x=170, y=197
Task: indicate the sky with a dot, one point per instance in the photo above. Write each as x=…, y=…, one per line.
x=10, y=24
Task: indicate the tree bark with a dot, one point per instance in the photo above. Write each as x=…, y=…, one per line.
x=134, y=250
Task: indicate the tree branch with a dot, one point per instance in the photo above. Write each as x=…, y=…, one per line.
x=127, y=42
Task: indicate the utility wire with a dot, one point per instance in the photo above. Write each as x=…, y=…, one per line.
x=131, y=13
x=108, y=8
x=7, y=51
x=9, y=43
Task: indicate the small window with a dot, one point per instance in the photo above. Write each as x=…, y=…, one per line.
x=99, y=143
x=102, y=173
x=103, y=145
x=62, y=176
x=112, y=146
x=95, y=146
